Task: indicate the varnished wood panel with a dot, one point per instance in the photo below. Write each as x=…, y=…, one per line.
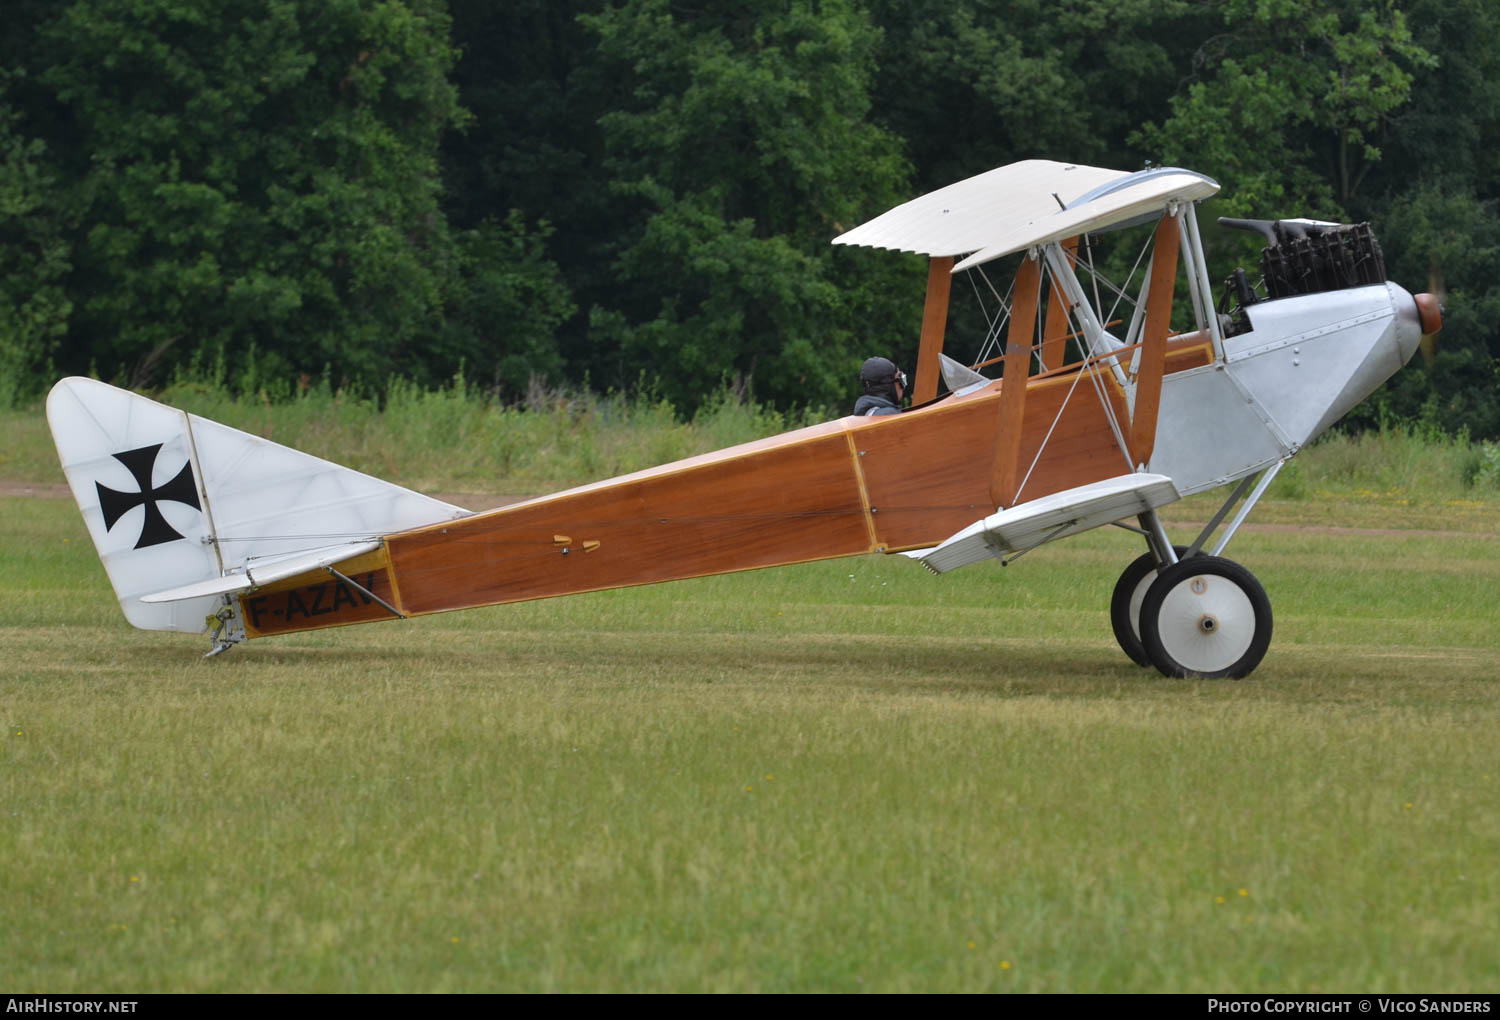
x=928, y=472
x=317, y=599
x=1083, y=448
x=788, y=500
x=1190, y=351
x=834, y=489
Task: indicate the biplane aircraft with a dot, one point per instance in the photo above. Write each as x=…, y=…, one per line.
x=204, y=528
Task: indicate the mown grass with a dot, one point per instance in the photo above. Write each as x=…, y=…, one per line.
x=842, y=776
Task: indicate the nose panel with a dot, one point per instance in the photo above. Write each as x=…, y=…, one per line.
x=1408, y=321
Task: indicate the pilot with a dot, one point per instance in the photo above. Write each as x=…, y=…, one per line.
x=884, y=385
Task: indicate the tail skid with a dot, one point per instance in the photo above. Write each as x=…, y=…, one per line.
x=185, y=512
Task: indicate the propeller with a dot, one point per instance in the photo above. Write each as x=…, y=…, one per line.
x=1430, y=307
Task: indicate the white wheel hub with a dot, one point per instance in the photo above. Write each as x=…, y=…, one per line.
x=1206, y=623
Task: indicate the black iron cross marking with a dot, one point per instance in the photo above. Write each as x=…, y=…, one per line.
x=181, y=489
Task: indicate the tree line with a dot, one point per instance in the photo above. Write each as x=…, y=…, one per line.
x=640, y=193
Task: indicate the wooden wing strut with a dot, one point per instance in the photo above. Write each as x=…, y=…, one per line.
x=1005, y=480
x=934, y=325
x=1154, y=340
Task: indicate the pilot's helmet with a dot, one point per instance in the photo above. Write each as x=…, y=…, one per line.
x=880, y=374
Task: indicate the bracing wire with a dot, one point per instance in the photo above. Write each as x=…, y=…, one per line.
x=1109, y=411
x=1122, y=293
x=983, y=308
x=1057, y=418
x=992, y=336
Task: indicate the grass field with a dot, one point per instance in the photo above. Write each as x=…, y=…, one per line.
x=844, y=776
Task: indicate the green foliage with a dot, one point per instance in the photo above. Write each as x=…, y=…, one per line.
x=1448, y=127
x=226, y=177
x=528, y=147
x=1355, y=111
x=1290, y=482
x=1396, y=464
x=638, y=190
x=506, y=306
x=742, y=146
x=530, y=80
x=34, y=306
x=971, y=86
x=1435, y=205
x=1447, y=238
x=1293, y=101
x=1482, y=467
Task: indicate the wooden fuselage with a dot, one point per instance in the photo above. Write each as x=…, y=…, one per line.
x=845, y=487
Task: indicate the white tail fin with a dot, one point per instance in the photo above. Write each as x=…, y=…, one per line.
x=171, y=499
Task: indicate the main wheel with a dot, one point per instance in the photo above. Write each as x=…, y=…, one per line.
x=1206, y=616
x=1125, y=605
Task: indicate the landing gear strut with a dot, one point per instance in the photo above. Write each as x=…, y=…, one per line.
x=1188, y=613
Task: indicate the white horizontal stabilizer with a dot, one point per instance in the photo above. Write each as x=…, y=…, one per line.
x=263, y=572
x=1027, y=525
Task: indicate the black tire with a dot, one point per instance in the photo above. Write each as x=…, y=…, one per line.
x=1207, y=617
x=1130, y=590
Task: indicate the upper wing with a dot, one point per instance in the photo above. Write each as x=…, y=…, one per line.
x=972, y=213
x=1025, y=204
